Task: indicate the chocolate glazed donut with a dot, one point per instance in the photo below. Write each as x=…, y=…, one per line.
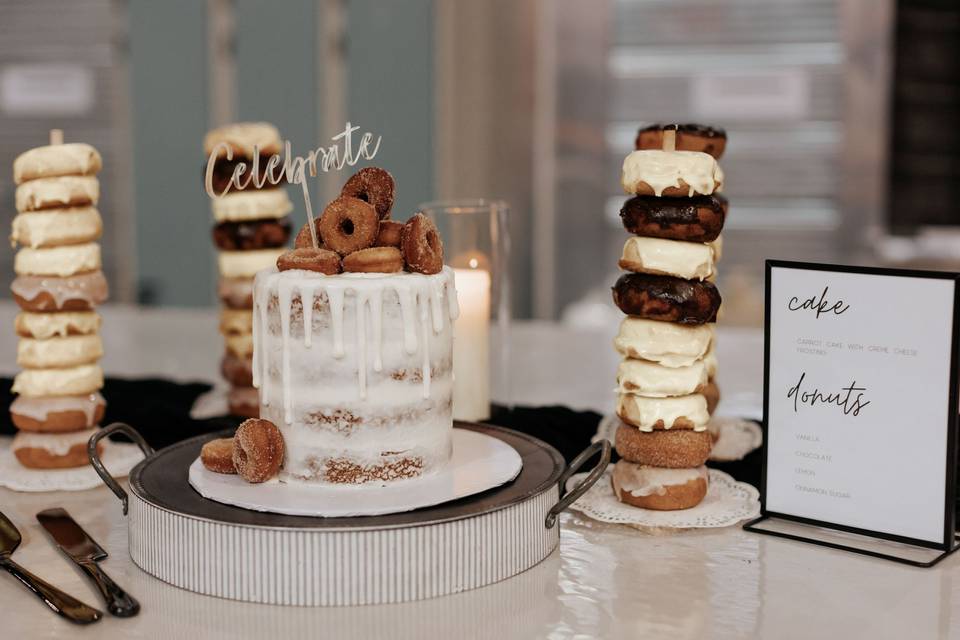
x=223, y=173
x=690, y=137
x=250, y=235
x=666, y=298
x=696, y=219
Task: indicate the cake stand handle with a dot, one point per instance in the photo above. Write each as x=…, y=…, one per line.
x=130, y=432
x=603, y=448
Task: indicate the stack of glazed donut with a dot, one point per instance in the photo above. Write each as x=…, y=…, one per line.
x=58, y=283
x=251, y=230
x=666, y=390
x=356, y=235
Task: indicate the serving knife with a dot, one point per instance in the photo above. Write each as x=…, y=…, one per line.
x=77, y=545
x=66, y=605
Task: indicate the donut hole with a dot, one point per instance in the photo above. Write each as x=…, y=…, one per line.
x=346, y=226
x=242, y=454
x=363, y=195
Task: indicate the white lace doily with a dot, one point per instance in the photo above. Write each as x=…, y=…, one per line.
x=727, y=502
x=737, y=437
x=118, y=457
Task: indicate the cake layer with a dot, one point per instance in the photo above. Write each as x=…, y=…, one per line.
x=365, y=393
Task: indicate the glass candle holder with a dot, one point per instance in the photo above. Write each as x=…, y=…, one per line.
x=476, y=245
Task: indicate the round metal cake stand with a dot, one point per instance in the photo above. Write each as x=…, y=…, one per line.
x=216, y=549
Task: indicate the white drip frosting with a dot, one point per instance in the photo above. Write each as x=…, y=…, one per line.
x=662, y=169
x=374, y=347
x=640, y=480
x=57, y=444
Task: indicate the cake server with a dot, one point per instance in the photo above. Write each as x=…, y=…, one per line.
x=66, y=605
x=77, y=545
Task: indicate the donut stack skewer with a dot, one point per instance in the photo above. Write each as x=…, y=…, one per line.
x=58, y=283
x=250, y=232
x=665, y=386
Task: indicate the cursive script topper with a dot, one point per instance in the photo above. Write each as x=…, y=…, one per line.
x=295, y=169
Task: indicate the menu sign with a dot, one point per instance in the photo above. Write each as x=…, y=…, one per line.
x=860, y=400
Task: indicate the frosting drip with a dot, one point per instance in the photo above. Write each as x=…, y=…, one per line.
x=87, y=287
x=420, y=299
x=40, y=408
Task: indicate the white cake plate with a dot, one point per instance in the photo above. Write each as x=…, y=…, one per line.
x=479, y=462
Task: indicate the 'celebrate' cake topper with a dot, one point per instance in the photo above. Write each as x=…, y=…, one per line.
x=293, y=169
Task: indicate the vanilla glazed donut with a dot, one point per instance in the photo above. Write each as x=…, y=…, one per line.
x=55, y=227
x=687, y=260
x=49, y=325
x=55, y=414
x=654, y=380
x=236, y=321
x=675, y=174
x=71, y=159
x=240, y=206
x=71, y=381
x=56, y=193
x=711, y=392
x=648, y=413
x=673, y=449
x=666, y=343
x=689, y=137
x=696, y=219
x=240, y=345
x=246, y=264
x=57, y=353
x=667, y=298
x=62, y=261
x=41, y=294
x=244, y=139
x=658, y=488
x=53, y=450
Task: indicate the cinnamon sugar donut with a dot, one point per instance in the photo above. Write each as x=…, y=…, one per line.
x=421, y=245
x=374, y=260
x=674, y=449
x=373, y=185
x=304, y=240
x=656, y=488
x=690, y=137
x=348, y=225
x=257, y=450
x=309, y=259
x=666, y=298
x=696, y=219
x=217, y=456
x=390, y=233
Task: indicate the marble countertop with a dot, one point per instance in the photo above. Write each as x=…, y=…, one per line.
x=606, y=581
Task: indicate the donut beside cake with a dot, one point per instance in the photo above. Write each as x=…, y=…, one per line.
x=58, y=282
x=665, y=387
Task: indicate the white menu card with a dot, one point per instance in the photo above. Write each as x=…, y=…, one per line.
x=861, y=400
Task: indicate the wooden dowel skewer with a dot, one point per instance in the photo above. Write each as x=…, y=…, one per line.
x=56, y=136
x=669, y=140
